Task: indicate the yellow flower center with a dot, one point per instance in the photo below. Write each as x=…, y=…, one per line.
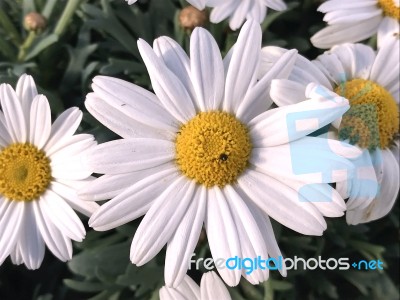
x=25, y=172
x=389, y=9
x=213, y=148
x=373, y=118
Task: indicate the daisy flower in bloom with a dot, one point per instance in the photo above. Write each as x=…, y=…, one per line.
x=370, y=81
x=357, y=20
x=204, y=148
x=238, y=10
x=40, y=168
x=211, y=287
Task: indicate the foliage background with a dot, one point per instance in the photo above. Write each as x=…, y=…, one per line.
x=84, y=38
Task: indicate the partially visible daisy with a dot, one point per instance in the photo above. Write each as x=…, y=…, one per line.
x=238, y=10
x=130, y=1
x=211, y=288
x=40, y=170
x=205, y=148
x=370, y=81
x=357, y=20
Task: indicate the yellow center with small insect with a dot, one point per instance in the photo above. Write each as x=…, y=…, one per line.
x=25, y=172
x=213, y=148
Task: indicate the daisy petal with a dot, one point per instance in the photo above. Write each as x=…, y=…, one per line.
x=169, y=89
x=40, y=121
x=384, y=202
x=63, y=127
x=288, y=123
x=133, y=202
x=295, y=161
x=121, y=122
x=302, y=216
x=31, y=241
x=134, y=102
x=177, y=61
x=224, y=242
x=388, y=28
x=161, y=221
x=55, y=240
x=243, y=66
x=26, y=92
x=61, y=215
x=184, y=240
x=251, y=240
x=212, y=287
x=10, y=225
x=124, y=156
x=207, y=70
x=340, y=33
x=71, y=197
x=13, y=114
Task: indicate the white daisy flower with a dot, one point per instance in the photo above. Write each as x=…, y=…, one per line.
x=204, y=149
x=40, y=170
x=211, y=287
x=130, y=2
x=357, y=20
x=370, y=81
x=238, y=10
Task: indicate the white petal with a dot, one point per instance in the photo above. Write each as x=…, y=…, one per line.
x=177, y=61
x=222, y=234
x=10, y=225
x=222, y=12
x=199, y=4
x=295, y=161
x=282, y=203
x=356, y=59
x=61, y=215
x=76, y=145
x=257, y=100
x=63, y=127
x=184, y=240
x=74, y=168
x=71, y=197
x=55, y=240
x=133, y=101
x=288, y=123
x=251, y=240
x=110, y=185
x=161, y=221
x=26, y=92
x=243, y=66
x=169, y=89
x=340, y=33
x=124, y=156
x=239, y=14
x=133, y=202
x=389, y=28
x=121, y=121
x=386, y=65
x=13, y=114
x=286, y=92
x=40, y=121
x=382, y=204
x=277, y=5
x=5, y=138
x=212, y=287
x=266, y=229
x=207, y=70
x=31, y=241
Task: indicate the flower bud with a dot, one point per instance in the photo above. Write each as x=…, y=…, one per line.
x=190, y=17
x=34, y=22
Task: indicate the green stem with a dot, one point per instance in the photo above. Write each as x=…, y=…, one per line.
x=26, y=45
x=66, y=16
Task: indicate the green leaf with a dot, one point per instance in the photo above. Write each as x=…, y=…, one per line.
x=84, y=286
x=41, y=44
